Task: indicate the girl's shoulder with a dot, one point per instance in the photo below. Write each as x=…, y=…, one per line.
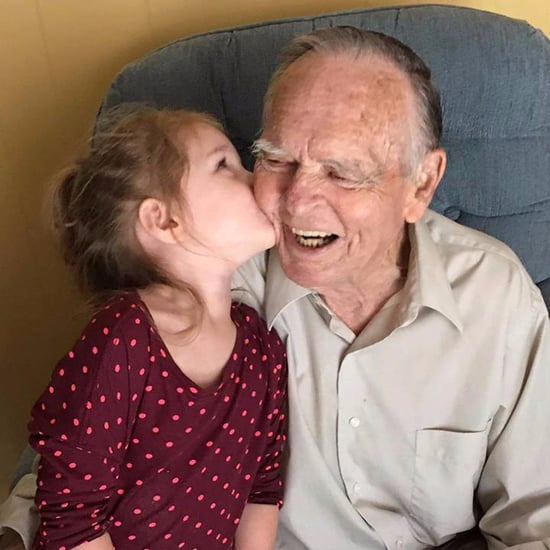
x=123, y=314
x=251, y=325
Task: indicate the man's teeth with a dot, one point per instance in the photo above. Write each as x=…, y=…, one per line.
x=312, y=239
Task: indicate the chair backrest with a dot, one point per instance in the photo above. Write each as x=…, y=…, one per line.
x=493, y=73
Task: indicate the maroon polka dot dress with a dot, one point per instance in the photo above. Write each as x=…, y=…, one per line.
x=131, y=446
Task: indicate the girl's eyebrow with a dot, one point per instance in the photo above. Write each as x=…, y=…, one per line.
x=218, y=149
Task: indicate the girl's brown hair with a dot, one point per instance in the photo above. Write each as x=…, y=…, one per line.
x=133, y=156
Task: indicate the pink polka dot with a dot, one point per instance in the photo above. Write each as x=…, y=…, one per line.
x=72, y=465
x=71, y=354
x=87, y=477
x=175, y=417
x=116, y=341
x=95, y=350
x=156, y=498
x=76, y=422
x=169, y=444
x=152, y=524
x=137, y=511
x=133, y=342
x=194, y=390
x=105, y=331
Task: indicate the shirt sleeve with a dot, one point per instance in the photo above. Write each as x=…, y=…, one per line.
x=268, y=487
x=80, y=426
x=514, y=488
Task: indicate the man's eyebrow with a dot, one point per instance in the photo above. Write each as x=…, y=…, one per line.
x=350, y=168
x=263, y=146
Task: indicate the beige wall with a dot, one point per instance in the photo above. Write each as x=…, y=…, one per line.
x=57, y=57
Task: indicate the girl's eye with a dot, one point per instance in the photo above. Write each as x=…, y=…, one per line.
x=222, y=163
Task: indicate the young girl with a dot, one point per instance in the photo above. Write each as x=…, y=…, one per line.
x=163, y=427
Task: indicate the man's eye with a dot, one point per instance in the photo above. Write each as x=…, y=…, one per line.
x=277, y=165
x=336, y=176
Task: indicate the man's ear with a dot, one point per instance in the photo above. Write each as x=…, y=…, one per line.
x=427, y=179
x=154, y=218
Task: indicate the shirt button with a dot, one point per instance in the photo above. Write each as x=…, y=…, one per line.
x=354, y=422
x=399, y=542
x=356, y=488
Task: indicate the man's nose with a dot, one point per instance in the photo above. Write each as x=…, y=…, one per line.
x=302, y=189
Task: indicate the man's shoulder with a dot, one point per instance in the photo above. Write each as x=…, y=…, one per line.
x=453, y=238
x=248, y=283
x=479, y=258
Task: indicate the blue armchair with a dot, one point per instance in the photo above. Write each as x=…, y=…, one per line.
x=493, y=73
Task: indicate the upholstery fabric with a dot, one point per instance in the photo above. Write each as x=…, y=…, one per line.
x=493, y=73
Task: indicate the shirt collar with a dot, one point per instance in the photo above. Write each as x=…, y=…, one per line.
x=427, y=283
x=280, y=291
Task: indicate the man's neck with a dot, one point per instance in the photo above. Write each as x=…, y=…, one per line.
x=358, y=302
x=356, y=307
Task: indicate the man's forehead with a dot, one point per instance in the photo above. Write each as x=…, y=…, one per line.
x=337, y=85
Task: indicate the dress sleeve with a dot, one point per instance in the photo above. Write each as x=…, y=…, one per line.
x=80, y=426
x=268, y=486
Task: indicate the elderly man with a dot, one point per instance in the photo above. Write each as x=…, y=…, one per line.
x=418, y=349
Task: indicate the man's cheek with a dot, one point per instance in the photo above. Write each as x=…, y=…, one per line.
x=266, y=196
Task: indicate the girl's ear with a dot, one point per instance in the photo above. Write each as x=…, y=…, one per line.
x=427, y=179
x=155, y=220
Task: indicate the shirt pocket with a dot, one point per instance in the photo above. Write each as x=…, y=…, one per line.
x=446, y=473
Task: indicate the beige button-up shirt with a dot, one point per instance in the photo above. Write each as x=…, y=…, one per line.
x=432, y=420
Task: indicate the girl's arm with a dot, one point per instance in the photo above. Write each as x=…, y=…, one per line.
x=257, y=528
x=101, y=543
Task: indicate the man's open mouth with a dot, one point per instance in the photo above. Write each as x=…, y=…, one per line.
x=313, y=239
